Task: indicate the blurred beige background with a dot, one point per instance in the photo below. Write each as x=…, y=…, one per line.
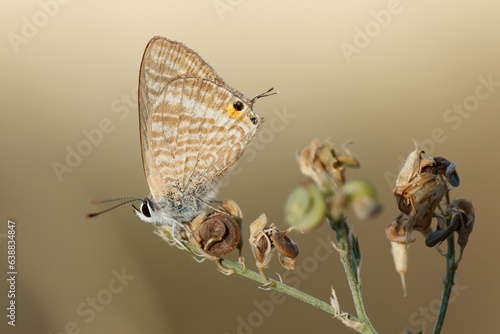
x=378, y=73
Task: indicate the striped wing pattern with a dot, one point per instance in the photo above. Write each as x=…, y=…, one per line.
x=163, y=61
x=190, y=132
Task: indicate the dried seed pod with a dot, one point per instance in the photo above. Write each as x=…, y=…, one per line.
x=216, y=235
x=234, y=210
x=284, y=245
x=264, y=240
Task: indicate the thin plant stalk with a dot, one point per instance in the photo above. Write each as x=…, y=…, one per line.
x=342, y=233
x=355, y=286
x=275, y=285
x=448, y=283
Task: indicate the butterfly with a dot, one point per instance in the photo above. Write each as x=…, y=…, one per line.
x=193, y=128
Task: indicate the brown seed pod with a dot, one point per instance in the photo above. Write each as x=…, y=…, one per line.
x=284, y=244
x=217, y=235
x=263, y=248
x=234, y=210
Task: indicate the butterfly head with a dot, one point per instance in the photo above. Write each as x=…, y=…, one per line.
x=167, y=211
x=146, y=211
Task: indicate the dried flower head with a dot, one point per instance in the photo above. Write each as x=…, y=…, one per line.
x=326, y=190
x=319, y=160
x=264, y=240
x=421, y=185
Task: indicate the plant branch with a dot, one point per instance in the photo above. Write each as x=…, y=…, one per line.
x=351, y=263
x=275, y=285
x=448, y=283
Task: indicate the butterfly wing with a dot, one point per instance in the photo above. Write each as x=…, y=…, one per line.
x=191, y=133
x=195, y=135
x=163, y=61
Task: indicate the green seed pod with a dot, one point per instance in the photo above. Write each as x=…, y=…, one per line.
x=362, y=197
x=305, y=208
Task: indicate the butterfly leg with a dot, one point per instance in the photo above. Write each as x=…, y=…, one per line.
x=177, y=235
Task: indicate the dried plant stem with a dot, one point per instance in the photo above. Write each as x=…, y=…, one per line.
x=448, y=283
x=279, y=286
x=275, y=285
x=354, y=284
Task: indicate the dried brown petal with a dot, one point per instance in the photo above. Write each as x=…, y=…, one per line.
x=321, y=161
x=400, y=255
x=309, y=164
x=232, y=208
x=409, y=171
x=335, y=163
x=442, y=233
x=260, y=242
x=287, y=262
x=442, y=166
x=347, y=158
x=256, y=227
x=468, y=217
x=396, y=232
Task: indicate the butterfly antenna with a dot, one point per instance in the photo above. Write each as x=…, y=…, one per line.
x=98, y=201
x=265, y=94
x=131, y=199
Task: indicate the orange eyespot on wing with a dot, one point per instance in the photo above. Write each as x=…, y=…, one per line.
x=235, y=110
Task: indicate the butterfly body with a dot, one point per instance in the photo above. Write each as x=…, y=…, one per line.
x=193, y=127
